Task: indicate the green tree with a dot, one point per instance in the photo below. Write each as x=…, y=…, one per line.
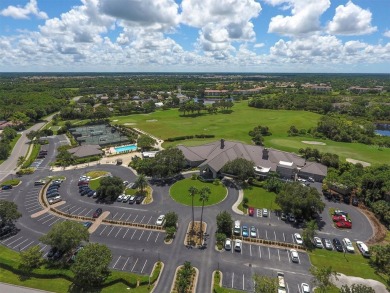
x=264, y=284
x=308, y=233
x=5, y=149
x=170, y=232
x=220, y=238
x=204, y=194
x=380, y=258
x=171, y=219
x=66, y=235
x=110, y=188
x=167, y=163
x=31, y=259
x=20, y=160
x=8, y=212
x=322, y=277
x=241, y=168
x=141, y=182
x=145, y=142
x=224, y=223
x=91, y=267
x=356, y=288
x=9, y=133
x=192, y=191
x=300, y=200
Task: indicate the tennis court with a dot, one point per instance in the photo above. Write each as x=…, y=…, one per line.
x=102, y=135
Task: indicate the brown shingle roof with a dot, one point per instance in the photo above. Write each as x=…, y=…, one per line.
x=315, y=168
x=85, y=151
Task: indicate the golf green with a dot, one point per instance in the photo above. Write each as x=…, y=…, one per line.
x=179, y=192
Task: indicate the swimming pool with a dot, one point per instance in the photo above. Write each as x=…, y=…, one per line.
x=126, y=148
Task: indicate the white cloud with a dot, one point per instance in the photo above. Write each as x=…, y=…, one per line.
x=387, y=33
x=305, y=16
x=24, y=12
x=351, y=20
x=259, y=45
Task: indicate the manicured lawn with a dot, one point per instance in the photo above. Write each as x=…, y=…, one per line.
x=259, y=198
x=94, y=184
x=353, y=264
x=96, y=174
x=33, y=155
x=12, y=182
x=218, y=289
x=179, y=192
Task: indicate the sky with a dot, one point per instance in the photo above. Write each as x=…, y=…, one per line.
x=329, y=36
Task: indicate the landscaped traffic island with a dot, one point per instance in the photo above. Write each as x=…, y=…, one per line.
x=179, y=192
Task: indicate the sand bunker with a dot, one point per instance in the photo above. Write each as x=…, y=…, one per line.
x=130, y=124
x=313, y=142
x=152, y=120
x=353, y=161
x=115, y=120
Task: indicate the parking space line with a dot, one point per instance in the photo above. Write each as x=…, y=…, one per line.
x=278, y=254
x=8, y=239
x=134, y=264
x=126, y=233
x=141, y=234
x=30, y=200
x=81, y=212
x=142, y=219
x=26, y=245
x=125, y=263
x=233, y=280
x=275, y=235
x=149, y=236
x=133, y=234
x=116, y=262
x=259, y=251
x=75, y=210
x=128, y=218
x=269, y=253
x=34, y=209
x=88, y=212
x=18, y=244
x=105, y=227
x=14, y=241
x=149, y=220
x=288, y=255
x=135, y=218
x=115, y=215
x=284, y=237
x=43, y=248
x=121, y=216
x=292, y=236
x=250, y=249
x=118, y=231
x=243, y=282
x=266, y=234
x=144, y=266
x=257, y=234
x=113, y=227
x=158, y=234
x=55, y=221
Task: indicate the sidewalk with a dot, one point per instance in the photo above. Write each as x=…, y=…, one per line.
x=18, y=289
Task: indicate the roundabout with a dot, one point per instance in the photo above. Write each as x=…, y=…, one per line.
x=179, y=192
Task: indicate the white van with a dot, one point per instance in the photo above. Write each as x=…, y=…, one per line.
x=363, y=248
x=237, y=228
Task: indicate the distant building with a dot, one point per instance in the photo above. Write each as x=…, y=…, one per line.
x=317, y=87
x=362, y=90
x=86, y=151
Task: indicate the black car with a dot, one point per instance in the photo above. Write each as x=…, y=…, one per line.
x=85, y=191
x=139, y=199
x=51, y=195
x=58, y=255
x=51, y=252
x=355, y=201
x=39, y=182
x=97, y=213
x=91, y=192
x=5, y=230
x=337, y=245
x=84, y=187
x=53, y=188
x=55, y=184
x=6, y=187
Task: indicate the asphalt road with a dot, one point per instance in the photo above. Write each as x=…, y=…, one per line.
x=136, y=250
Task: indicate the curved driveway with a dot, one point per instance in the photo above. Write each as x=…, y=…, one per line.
x=136, y=250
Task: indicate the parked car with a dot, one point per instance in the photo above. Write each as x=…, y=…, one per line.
x=337, y=245
x=283, y=217
x=344, y=224
x=305, y=288
x=294, y=255
x=39, y=182
x=337, y=218
x=251, y=211
x=58, y=255
x=311, y=179
x=327, y=243
x=238, y=245
x=160, y=220
x=228, y=244
x=91, y=193
x=85, y=191
x=253, y=232
x=87, y=224
x=82, y=183
x=348, y=245
x=363, y=248
x=120, y=197
x=317, y=242
x=6, y=187
x=132, y=199
x=291, y=218
x=355, y=201
x=97, y=213
x=340, y=212
x=51, y=252
x=54, y=200
x=52, y=195
x=298, y=238
x=125, y=198
x=245, y=232
x=139, y=199
x=5, y=230
x=125, y=183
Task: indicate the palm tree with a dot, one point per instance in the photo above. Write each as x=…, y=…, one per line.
x=204, y=196
x=192, y=191
x=141, y=182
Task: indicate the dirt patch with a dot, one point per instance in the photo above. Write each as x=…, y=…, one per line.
x=380, y=230
x=353, y=161
x=194, y=238
x=313, y=142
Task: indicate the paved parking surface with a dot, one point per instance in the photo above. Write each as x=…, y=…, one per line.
x=133, y=263
x=20, y=242
x=31, y=202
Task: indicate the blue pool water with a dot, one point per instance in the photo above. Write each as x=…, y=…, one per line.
x=383, y=132
x=125, y=148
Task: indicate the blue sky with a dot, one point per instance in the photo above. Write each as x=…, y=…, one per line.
x=195, y=35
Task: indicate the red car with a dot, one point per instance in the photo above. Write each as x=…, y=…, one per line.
x=97, y=213
x=82, y=183
x=344, y=224
x=251, y=211
x=338, y=218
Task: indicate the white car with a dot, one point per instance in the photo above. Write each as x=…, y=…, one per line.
x=54, y=200
x=125, y=198
x=305, y=288
x=253, y=232
x=327, y=243
x=298, y=238
x=265, y=213
x=120, y=198
x=317, y=242
x=294, y=255
x=363, y=248
x=348, y=245
x=228, y=244
x=238, y=245
x=160, y=220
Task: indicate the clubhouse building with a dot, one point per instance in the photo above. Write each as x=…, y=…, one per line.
x=210, y=159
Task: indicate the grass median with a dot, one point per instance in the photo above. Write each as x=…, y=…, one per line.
x=259, y=198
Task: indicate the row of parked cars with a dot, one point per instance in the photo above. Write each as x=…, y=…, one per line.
x=345, y=245
x=130, y=198
x=53, y=193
